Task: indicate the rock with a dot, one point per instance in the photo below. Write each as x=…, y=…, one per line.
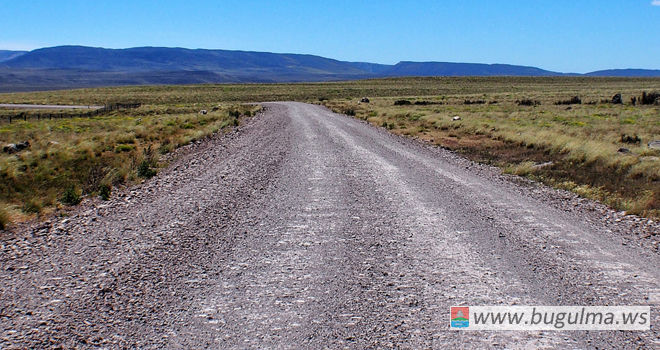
x=15, y=147
x=364, y=100
x=655, y=144
x=617, y=100
x=623, y=150
x=456, y=118
x=10, y=148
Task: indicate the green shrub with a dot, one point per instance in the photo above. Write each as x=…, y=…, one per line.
x=528, y=102
x=130, y=138
x=32, y=206
x=4, y=218
x=124, y=148
x=104, y=191
x=71, y=196
x=144, y=170
x=165, y=148
x=573, y=101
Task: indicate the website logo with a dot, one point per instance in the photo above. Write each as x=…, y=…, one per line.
x=460, y=316
x=555, y=318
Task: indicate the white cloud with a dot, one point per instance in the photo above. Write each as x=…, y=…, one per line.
x=655, y=2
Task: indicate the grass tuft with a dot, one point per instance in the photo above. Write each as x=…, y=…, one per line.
x=71, y=196
x=4, y=217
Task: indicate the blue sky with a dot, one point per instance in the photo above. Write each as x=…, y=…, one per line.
x=568, y=36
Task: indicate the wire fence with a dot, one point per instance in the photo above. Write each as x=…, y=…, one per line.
x=11, y=117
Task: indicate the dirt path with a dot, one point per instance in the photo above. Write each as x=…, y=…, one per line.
x=307, y=229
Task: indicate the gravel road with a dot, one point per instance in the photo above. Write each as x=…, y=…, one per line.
x=308, y=229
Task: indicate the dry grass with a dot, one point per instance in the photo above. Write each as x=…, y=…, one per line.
x=450, y=87
x=84, y=156
x=581, y=140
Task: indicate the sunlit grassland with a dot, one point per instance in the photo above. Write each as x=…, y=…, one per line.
x=199, y=95
x=575, y=147
x=72, y=157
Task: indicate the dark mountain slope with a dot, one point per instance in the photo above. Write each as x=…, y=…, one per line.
x=625, y=73
x=7, y=54
x=171, y=59
x=462, y=69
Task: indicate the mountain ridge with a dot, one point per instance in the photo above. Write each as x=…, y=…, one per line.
x=81, y=66
x=6, y=55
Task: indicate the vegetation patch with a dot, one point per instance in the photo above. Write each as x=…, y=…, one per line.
x=70, y=158
x=597, y=150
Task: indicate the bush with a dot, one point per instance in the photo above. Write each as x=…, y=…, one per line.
x=234, y=113
x=634, y=139
x=475, y=102
x=124, y=148
x=528, y=102
x=349, y=111
x=165, y=148
x=32, y=206
x=573, y=101
x=71, y=196
x=4, y=218
x=104, y=191
x=144, y=170
x=402, y=103
x=650, y=98
x=426, y=103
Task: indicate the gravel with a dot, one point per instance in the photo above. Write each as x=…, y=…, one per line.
x=308, y=229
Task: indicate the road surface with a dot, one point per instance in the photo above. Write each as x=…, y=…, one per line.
x=308, y=229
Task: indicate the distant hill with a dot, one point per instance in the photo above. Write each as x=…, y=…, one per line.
x=463, y=69
x=7, y=55
x=144, y=59
x=625, y=73
x=79, y=66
